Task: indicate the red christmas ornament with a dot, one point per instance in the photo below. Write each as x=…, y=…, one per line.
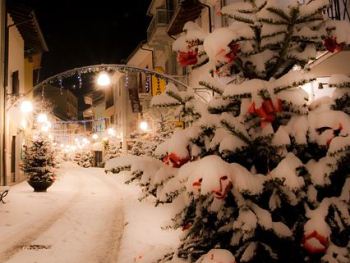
x=332, y=45
x=315, y=243
x=187, y=58
x=225, y=187
x=174, y=160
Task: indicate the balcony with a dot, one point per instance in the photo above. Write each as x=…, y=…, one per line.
x=156, y=31
x=339, y=10
x=187, y=10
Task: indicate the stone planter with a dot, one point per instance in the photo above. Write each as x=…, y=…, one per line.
x=39, y=186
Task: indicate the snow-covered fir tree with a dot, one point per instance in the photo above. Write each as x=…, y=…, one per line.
x=112, y=150
x=84, y=158
x=145, y=143
x=39, y=160
x=262, y=174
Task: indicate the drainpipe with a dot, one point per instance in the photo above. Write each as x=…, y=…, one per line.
x=3, y=64
x=147, y=49
x=209, y=15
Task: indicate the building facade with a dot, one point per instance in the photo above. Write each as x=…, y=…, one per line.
x=24, y=45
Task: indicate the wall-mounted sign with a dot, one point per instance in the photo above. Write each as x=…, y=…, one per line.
x=158, y=84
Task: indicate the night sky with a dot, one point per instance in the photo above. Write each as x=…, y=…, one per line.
x=80, y=32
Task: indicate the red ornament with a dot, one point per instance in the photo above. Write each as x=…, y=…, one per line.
x=234, y=49
x=267, y=111
x=197, y=185
x=225, y=187
x=335, y=133
x=174, y=160
x=315, y=243
x=251, y=109
x=332, y=45
x=187, y=58
x=186, y=226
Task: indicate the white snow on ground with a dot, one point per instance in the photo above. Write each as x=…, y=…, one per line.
x=143, y=239
x=81, y=219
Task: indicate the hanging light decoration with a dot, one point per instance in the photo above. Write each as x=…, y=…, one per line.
x=103, y=79
x=60, y=82
x=79, y=80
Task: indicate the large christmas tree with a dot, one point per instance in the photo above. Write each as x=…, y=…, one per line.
x=263, y=175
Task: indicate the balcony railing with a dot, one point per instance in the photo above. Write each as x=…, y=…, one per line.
x=161, y=18
x=339, y=10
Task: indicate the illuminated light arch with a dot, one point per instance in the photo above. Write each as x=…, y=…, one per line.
x=108, y=67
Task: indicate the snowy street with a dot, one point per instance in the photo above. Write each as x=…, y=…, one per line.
x=79, y=219
x=85, y=216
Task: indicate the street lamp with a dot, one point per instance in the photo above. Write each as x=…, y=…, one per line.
x=111, y=132
x=26, y=106
x=143, y=126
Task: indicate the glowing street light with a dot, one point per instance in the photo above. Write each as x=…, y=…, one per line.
x=111, y=132
x=103, y=79
x=143, y=126
x=26, y=106
x=46, y=126
x=42, y=117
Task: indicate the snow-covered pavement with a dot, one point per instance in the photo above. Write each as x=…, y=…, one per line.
x=79, y=219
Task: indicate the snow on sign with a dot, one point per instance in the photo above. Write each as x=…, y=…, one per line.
x=158, y=84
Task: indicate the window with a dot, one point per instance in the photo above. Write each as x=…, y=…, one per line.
x=15, y=83
x=36, y=76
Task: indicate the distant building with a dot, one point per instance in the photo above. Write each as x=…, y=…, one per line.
x=64, y=102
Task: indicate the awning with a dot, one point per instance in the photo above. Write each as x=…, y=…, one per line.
x=189, y=10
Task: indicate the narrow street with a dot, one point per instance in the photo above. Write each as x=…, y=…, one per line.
x=79, y=219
